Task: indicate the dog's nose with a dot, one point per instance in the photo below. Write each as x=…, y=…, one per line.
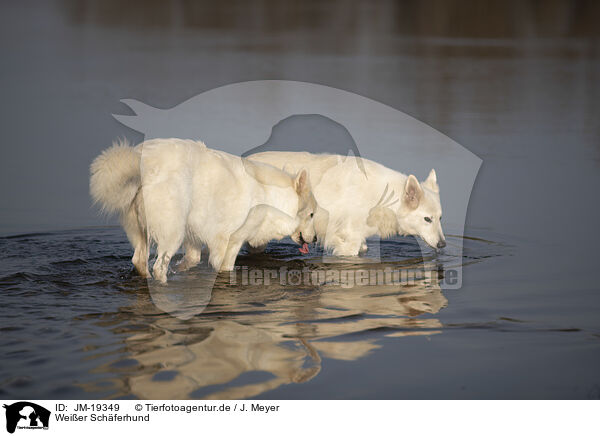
x=315, y=238
x=441, y=244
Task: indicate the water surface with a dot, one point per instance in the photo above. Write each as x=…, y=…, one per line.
x=516, y=83
x=78, y=322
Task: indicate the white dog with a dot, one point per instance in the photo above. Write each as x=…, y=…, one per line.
x=364, y=199
x=173, y=191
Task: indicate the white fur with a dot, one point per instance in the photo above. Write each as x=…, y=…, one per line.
x=115, y=177
x=383, y=202
x=174, y=192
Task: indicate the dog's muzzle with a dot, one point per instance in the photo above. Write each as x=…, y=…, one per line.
x=304, y=241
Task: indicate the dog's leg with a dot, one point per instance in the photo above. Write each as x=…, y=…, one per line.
x=217, y=248
x=140, y=259
x=236, y=240
x=363, y=248
x=345, y=241
x=348, y=247
x=192, y=257
x=168, y=241
x=262, y=224
x=164, y=254
x=258, y=249
x=133, y=223
x=166, y=206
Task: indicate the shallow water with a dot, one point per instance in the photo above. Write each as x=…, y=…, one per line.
x=516, y=83
x=76, y=321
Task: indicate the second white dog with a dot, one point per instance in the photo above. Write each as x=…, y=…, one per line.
x=174, y=192
x=364, y=198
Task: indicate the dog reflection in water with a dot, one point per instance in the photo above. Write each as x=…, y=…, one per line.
x=240, y=348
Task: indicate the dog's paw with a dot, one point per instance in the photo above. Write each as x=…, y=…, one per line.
x=227, y=267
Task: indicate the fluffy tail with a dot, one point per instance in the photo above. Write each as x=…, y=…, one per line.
x=115, y=177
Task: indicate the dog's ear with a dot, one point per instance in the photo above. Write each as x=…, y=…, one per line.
x=301, y=182
x=431, y=182
x=412, y=193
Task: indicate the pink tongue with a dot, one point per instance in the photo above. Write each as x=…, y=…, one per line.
x=304, y=249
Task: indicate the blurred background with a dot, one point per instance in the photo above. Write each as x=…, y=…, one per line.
x=515, y=82
x=492, y=75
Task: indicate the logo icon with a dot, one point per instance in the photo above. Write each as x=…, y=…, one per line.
x=287, y=116
x=26, y=415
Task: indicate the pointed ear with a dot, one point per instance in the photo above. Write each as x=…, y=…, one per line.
x=412, y=192
x=301, y=182
x=431, y=182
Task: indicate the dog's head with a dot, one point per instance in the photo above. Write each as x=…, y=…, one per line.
x=420, y=212
x=309, y=211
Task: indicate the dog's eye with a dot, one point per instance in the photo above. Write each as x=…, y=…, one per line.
x=440, y=217
x=427, y=219
x=311, y=215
